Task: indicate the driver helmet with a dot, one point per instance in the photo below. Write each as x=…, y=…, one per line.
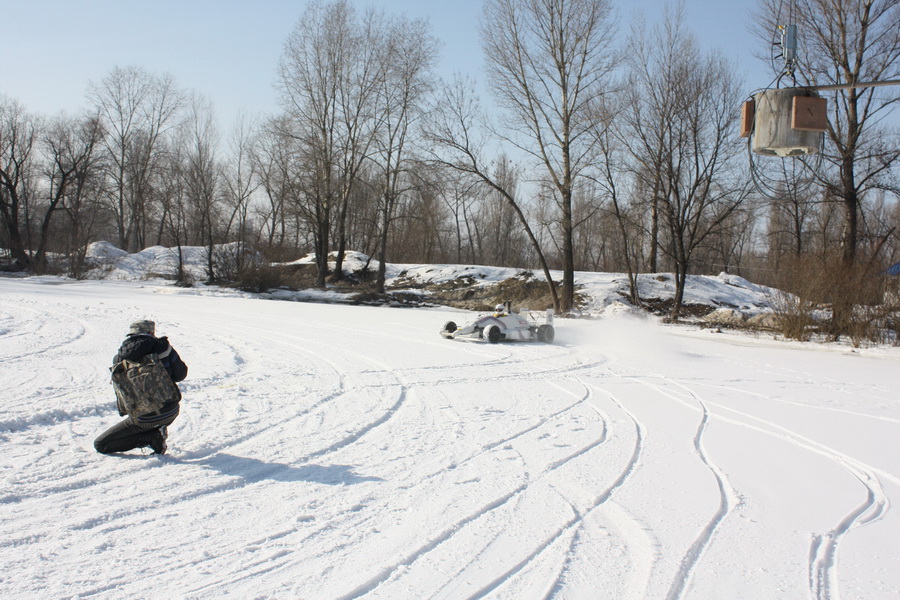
x=500, y=309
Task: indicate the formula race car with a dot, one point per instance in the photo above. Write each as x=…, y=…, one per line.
x=505, y=325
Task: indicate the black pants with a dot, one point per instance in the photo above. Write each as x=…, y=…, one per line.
x=134, y=433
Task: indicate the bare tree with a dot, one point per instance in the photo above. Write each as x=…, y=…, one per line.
x=547, y=62
x=136, y=109
x=410, y=54
x=790, y=215
x=71, y=147
x=705, y=184
x=609, y=178
x=457, y=191
x=328, y=76
x=730, y=242
x=202, y=174
x=500, y=236
x=175, y=222
x=651, y=103
x=18, y=140
x=369, y=60
x=700, y=183
x=240, y=182
x=273, y=164
x=454, y=133
x=85, y=211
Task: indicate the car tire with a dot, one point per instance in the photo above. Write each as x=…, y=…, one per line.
x=492, y=334
x=545, y=334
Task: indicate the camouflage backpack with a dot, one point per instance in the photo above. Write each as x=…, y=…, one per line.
x=143, y=387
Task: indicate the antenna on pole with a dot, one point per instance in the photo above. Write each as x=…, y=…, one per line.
x=789, y=48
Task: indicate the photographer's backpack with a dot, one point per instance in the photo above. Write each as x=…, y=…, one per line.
x=143, y=387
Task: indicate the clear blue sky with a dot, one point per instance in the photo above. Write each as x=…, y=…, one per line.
x=228, y=49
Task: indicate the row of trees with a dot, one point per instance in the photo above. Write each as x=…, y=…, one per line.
x=599, y=154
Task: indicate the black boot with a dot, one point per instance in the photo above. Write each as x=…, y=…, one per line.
x=158, y=443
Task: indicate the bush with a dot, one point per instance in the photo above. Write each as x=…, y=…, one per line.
x=796, y=303
x=825, y=295
x=794, y=316
x=259, y=278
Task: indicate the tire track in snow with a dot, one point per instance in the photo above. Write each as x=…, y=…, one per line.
x=490, y=374
x=822, y=559
x=519, y=434
x=360, y=432
x=343, y=388
x=295, y=343
x=832, y=383
x=728, y=497
x=823, y=573
x=45, y=333
x=385, y=573
x=47, y=417
x=695, y=552
x=575, y=523
x=447, y=533
x=58, y=386
x=630, y=468
x=802, y=405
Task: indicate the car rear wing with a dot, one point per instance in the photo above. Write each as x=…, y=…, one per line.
x=535, y=315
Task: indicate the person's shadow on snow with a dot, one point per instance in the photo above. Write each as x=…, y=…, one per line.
x=252, y=470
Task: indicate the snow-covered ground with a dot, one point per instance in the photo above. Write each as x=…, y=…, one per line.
x=327, y=451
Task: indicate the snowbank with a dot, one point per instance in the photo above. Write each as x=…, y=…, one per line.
x=599, y=291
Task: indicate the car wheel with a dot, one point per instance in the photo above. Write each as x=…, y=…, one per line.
x=545, y=334
x=492, y=334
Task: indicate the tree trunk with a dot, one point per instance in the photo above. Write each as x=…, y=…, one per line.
x=850, y=199
x=680, y=283
x=11, y=220
x=568, y=288
x=654, y=234
x=382, y=253
x=321, y=241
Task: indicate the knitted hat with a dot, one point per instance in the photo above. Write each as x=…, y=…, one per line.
x=143, y=326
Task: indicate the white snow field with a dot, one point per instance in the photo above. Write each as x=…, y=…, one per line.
x=335, y=452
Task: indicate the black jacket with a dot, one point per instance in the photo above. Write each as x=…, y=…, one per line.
x=137, y=346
